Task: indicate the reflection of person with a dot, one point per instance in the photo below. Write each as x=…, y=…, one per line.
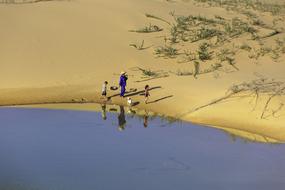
x=145, y=120
x=103, y=112
x=123, y=83
x=122, y=119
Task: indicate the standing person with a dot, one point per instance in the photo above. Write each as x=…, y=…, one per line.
x=104, y=89
x=123, y=83
x=146, y=93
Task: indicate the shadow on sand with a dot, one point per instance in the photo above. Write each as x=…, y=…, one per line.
x=131, y=93
x=163, y=98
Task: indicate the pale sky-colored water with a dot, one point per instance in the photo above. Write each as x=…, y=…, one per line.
x=70, y=150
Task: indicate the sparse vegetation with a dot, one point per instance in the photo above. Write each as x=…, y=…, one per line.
x=226, y=55
x=245, y=47
x=256, y=89
x=166, y=51
x=197, y=71
x=237, y=5
x=274, y=52
x=188, y=56
x=139, y=47
x=238, y=27
x=148, y=72
x=148, y=29
x=212, y=33
x=157, y=18
x=203, y=52
x=183, y=73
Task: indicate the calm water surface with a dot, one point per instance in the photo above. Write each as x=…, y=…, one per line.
x=71, y=150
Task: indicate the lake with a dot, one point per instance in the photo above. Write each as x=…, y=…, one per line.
x=78, y=150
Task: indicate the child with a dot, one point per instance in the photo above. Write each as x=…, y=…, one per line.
x=104, y=89
x=146, y=93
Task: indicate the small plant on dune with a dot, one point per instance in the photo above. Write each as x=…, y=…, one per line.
x=275, y=55
x=174, y=34
x=138, y=47
x=245, y=47
x=254, y=54
x=148, y=29
x=273, y=52
x=183, y=73
x=280, y=42
x=203, y=20
x=280, y=45
x=238, y=27
x=188, y=56
x=226, y=55
x=148, y=72
x=265, y=50
x=219, y=17
x=258, y=22
x=205, y=33
x=249, y=14
x=166, y=51
x=213, y=68
x=157, y=18
x=203, y=52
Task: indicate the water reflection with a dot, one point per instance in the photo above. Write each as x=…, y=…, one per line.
x=122, y=119
x=122, y=115
x=103, y=112
x=145, y=119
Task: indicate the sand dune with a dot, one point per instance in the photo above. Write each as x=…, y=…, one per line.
x=62, y=51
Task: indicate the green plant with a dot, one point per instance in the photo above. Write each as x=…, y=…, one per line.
x=245, y=47
x=188, y=56
x=203, y=52
x=226, y=55
x=205, y=33
x=242, y=5
x=148, y=72
x=166, y=51
x=157, y=18
x=148, y=29
x=138, y=47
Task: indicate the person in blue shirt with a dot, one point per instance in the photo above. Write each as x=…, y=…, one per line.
x=123, y=83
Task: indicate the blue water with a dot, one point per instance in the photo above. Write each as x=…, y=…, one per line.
x=72, y=150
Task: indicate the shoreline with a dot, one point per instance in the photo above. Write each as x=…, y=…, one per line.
x=87, y=103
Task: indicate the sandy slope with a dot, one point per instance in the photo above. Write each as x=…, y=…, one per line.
x=62, y=51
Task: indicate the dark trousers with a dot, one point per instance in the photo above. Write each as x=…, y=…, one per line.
x=123, y=90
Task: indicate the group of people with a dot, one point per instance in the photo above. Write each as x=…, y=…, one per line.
x=123, y=84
